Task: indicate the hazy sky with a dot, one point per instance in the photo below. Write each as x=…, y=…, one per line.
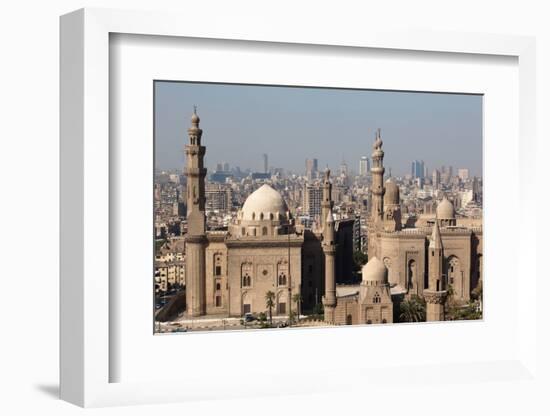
x=242, y=122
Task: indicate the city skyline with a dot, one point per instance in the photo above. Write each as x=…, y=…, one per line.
x=234, y=116
x=259, y=252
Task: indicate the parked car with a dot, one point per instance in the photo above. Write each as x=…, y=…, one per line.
x=248, y=317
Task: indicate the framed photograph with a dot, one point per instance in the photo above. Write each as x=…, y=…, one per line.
x=289, y=213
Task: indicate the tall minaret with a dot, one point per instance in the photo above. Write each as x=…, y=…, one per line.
x=436, y=293
x=377, y=187
x=326, y=203
x=195, y=273
x=329, y=249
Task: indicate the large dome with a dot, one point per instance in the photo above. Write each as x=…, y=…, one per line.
x=445, y=210
x=264, y=203
x=374, y=271
x=391, y=197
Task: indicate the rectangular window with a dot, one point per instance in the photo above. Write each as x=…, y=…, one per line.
x=282, y=308
x=218, y=301
x=218, y=270
x=246, y=308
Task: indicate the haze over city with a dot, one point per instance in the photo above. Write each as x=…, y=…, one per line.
x=242, y=122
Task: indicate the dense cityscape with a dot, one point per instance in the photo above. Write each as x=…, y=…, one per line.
x=356, y=209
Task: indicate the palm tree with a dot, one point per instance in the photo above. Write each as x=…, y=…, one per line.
x=298, y=299
x=270, y=303
x=413, y=310
x=450, y=302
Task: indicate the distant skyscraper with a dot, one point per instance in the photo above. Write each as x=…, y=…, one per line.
x=344, y=176
x=446, y=174
x=476, y=189
x=313, y=195
x=436, y=179
x=311, y=169
x=417, y=169
x=364, y=166
x=343, y=168
x=463, y=174
x=225, y=167
x=219, y=167
x=218, y=197
x=264, y=156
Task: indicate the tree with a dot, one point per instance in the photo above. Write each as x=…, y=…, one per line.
x=292, y=317
x=297, y=298
x=458, y=311
x=359, y=259
x=262, y=317
x=477, y=294
x=413, y=310
x=269, y=304
x=469, y=311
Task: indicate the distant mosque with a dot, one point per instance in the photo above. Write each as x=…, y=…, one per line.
x=228, y=273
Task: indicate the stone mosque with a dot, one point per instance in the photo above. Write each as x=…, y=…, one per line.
x=228, y=273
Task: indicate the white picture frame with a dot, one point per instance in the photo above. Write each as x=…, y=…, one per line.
x=87, y=356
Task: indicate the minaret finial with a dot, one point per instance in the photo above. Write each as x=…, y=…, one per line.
x=195, y=120
x=378, y=140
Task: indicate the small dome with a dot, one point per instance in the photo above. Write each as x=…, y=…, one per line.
x=375, y=271
x=195, y=118
x=265, y=200
x=445, y=210
x=391, y=197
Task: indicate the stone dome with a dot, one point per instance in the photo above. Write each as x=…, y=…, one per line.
x=445, y=209
x=374, y=271
x=264, y=203
x=391, y=197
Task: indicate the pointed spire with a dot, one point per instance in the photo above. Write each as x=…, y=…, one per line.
x=327, y=173
x=435, y=241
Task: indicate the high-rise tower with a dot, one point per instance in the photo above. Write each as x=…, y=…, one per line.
x=436, y=294
x=265, y=163
x=363, y=166
x=195, y=171
x=377, y=170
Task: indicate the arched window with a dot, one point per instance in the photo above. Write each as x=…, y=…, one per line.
x=282, y=271
x=271, y=216
x=411, y=274
x=264, y=231
x=376, y=298
x=218, y=286
x=217, y=264
x=253, y=216
x=261, y=216
x=246, y=276
x=453, y=271
x=246, y=280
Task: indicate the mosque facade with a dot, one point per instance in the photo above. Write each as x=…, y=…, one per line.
x=229, y=272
